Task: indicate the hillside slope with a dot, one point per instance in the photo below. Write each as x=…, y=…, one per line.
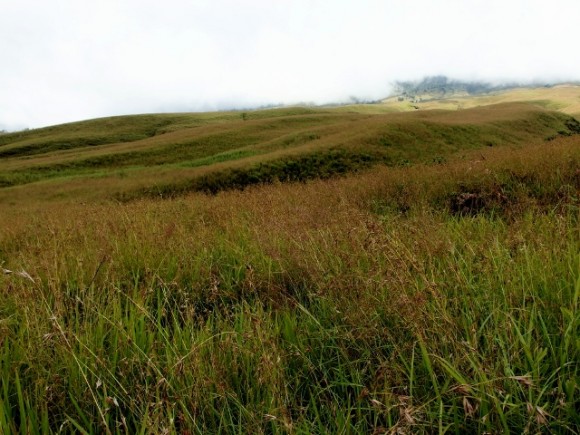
x=438, y=289
x=131, y=156
x=564, y=98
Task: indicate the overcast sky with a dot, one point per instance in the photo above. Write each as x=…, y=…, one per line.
x=66, y=60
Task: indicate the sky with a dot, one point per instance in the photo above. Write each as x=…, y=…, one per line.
x=68, y=60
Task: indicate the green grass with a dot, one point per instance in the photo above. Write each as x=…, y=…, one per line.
x=207, y=147
x=434, y=286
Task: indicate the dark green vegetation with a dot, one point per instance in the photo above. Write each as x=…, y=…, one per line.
x=433, y=286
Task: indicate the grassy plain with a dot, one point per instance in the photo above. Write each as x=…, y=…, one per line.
x=423, y=274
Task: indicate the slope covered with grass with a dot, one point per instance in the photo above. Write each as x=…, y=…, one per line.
x=129, y=157
x=564, y=98
x=365, y=304
x=438, y=290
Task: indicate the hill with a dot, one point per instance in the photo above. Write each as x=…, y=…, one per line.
x=439, y=93
x=419, y=273
x=168, y=154
x=440, y=86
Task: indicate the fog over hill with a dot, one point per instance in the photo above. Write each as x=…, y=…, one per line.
x=441, y=86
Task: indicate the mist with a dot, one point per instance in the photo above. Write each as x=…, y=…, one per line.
x=64, y=61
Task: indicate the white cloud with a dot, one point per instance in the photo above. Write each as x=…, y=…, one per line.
x=69, y=59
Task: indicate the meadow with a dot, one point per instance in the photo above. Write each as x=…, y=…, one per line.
x=299, y=270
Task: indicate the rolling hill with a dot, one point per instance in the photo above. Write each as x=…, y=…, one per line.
x=127, y=157
x=359, y=269
x=562, y=97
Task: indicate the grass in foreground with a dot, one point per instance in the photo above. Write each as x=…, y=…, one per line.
x=405, y=300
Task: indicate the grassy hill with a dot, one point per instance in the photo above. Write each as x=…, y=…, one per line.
x=419, y=272
x=128, y=157
x=564, y=98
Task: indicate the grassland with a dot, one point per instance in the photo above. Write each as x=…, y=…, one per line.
x=564, y=98
x=129, y=157
x=420, y=273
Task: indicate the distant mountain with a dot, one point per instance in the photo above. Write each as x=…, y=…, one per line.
x=440, y=86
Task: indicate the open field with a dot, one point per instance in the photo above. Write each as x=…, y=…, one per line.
x=420, y=274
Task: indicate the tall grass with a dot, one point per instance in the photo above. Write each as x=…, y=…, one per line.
x=368, y=304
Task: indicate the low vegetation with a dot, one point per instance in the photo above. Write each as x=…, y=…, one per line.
x=434, y=286
x=193, y=152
